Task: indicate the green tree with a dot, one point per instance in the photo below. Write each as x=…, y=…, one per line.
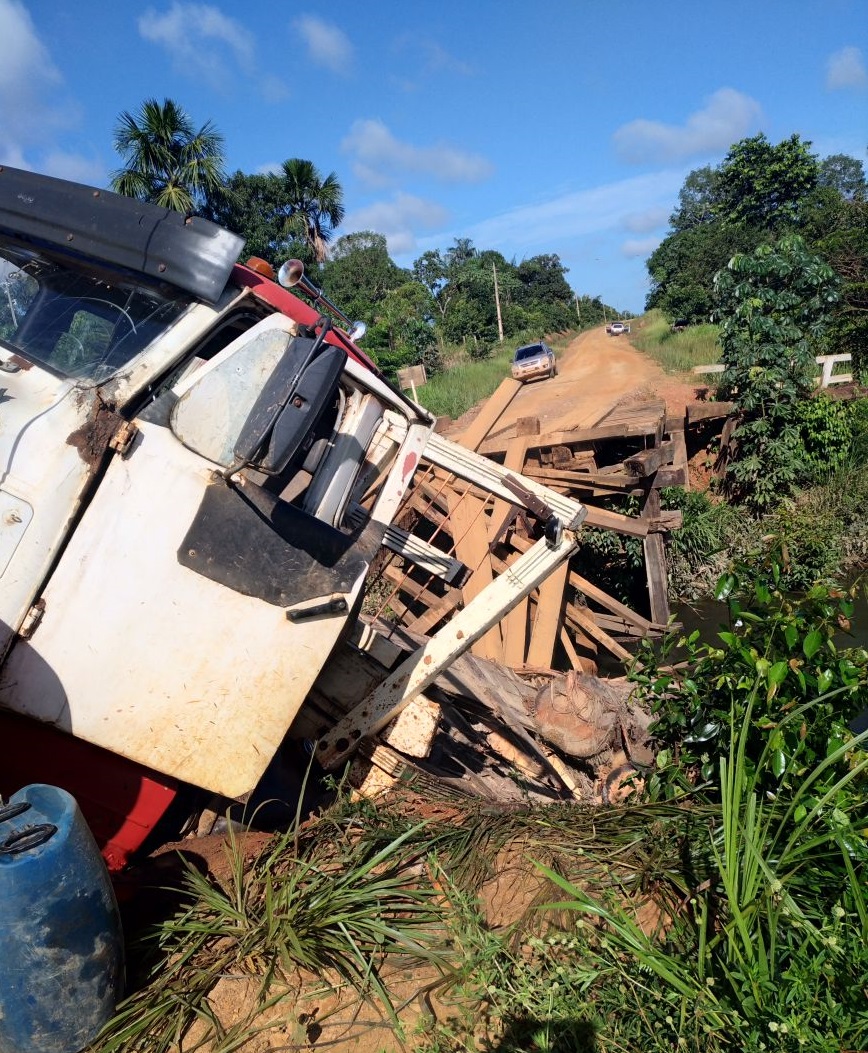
x=543, y=288
x=313, y=206
x=774, y=304
x=697, y=199
x=359, y=274
x=683, y=266
x=166, y=159
x=763, y=185
x=844, y=174
x=254, y=206
x=401, y=334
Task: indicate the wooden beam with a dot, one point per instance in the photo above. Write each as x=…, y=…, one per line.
x=697, y=411
x=647, y=462
x=468, y=525
x=606, y=519
x=655, y=565
x=472, y=436
x=587, y=623
x=548, y=618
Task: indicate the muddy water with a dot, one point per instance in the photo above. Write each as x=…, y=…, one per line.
x=710, y=616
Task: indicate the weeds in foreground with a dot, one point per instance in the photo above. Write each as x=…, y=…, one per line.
x=337, y=903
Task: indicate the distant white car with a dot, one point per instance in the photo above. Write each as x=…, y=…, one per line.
x=616, y=328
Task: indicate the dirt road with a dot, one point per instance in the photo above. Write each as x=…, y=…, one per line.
x=595, y=372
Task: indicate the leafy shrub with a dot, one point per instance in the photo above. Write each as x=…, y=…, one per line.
x=782, y=648
x=826, y=431
x=774, y=307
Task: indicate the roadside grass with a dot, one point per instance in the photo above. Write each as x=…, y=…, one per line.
x=676, y=353
x=650, y=927
x=466, y=381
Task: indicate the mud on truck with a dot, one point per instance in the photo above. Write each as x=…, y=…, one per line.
x=198, y=468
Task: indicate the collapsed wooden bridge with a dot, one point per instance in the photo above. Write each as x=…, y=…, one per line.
x=479, y=602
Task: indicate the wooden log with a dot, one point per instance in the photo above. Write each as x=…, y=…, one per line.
x=699, y=411
x=647, y=462
x=670, y=477
x=472, y=437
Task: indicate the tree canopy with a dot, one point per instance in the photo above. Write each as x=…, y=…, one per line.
x=167, y=160
x=760, y=194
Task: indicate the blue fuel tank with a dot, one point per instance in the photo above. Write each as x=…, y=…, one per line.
x=61, y=948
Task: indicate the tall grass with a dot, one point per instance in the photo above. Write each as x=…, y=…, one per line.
x=676, y=353
x=336, y=903
x=770, y=950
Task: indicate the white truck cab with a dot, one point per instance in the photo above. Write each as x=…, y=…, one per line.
x=196, y=469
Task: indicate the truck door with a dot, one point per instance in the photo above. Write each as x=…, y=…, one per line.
x=195, y=604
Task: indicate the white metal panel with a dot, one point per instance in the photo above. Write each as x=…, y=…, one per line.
x=151, y=660
x=42, y=418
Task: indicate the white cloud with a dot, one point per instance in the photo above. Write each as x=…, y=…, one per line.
x=646, y=220
x=582, y=212
x=639, y=247
x=379, y=157
x=846, y=69
x=34, y=104
x=200, y=40
x=27, y=76
x=398, y=219
x=327, y=45
x=727, y=117
x=79, y=169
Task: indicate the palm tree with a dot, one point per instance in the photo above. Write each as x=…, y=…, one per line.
x=167, y=161
x=314, y=206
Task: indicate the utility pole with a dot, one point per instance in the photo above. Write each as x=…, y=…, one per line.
x=578, y=311
x=497, y=302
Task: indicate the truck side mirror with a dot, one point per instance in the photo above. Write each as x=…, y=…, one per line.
x=258, y=398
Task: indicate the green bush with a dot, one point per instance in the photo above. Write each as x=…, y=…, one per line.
x=826, y=432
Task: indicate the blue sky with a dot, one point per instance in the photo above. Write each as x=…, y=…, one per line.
x=561, y=126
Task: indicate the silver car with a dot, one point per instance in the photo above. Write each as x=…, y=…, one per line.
x=534, y=360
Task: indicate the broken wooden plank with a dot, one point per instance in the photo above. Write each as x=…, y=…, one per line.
x=586, y=621
x=606, y=519
x=595, y=593
x=423, y=667
x=515, y=630
x=496, y=444
x=516, y=450
x=470, y=536
x=492, y=408
x=655, y=565
x=679, y=455
x=435, y=613
x=548, y=618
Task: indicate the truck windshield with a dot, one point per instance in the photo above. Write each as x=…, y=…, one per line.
x=80, y=322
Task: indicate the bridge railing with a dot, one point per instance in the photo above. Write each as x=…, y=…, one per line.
x=827, y=376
